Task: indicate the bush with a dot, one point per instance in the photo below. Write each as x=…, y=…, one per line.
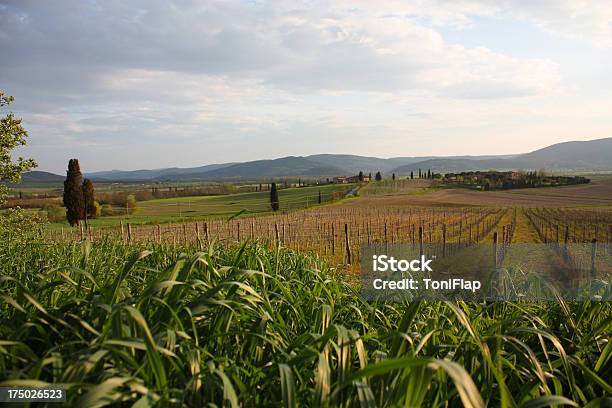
x=107, y=210
x=97, y=210
x=131, y=204
x=53, y=212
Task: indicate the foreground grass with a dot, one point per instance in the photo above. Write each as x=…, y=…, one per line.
x=253, y=326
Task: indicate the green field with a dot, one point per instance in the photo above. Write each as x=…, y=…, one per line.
x=250, y=325
x=195, y=208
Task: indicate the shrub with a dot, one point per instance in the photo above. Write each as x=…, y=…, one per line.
x=131, y=204
x=53, y=212
x=97, y=210
x=107, y=210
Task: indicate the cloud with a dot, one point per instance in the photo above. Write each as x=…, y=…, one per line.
x=102, y=73
x=76, y=46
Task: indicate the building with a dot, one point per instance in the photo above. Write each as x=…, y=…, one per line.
x=350, y=179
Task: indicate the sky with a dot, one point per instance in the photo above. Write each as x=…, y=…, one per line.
x=182, y=83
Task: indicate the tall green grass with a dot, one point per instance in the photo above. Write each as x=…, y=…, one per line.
x=254, y=326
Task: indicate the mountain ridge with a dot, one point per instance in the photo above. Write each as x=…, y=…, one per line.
x=591, y=155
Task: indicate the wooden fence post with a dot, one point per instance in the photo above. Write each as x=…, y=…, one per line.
x=495, y=250
x=348, y=246
x=593, y=255
x=443, y=240
x=333, y=242
x=276, y=233
x=420, y=240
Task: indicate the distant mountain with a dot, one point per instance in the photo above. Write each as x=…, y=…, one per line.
x=593, y=155
x=588, y=155
x=352, y=164
x=291, y=166
x=41, y=177
x=173, y=173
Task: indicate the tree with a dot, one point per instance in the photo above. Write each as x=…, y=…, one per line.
x=360, y=176
x=419, y=173
x=319, y=197
x=73, y=193
x=12, y=135
x=378, y=176
x=428, y=173
x=131, y=205
x=370, y=176
x=274, y=197
x=411, y=175
x=393, y=177
x=90, y=198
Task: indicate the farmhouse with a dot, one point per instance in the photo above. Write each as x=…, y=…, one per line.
x=350, y=179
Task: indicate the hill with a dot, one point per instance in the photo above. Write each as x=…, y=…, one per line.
x=588, y=155
x=283, y=167
x=172, y=173
x=592, y=155
x=41, y=177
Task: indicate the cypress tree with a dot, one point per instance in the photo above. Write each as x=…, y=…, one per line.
x=419, y=173
x=361, y=176
x=73, y=193
x=90, y=197
x=378, y=176
x=370, y=177
x=411, y=175
x=393, y=176
x=428, y=173
x=319, y=197
x=274, y=197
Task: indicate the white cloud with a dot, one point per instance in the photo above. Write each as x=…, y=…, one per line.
x=312, y=74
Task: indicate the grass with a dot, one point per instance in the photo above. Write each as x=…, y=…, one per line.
x=184, y=209
x=397, y=187
x=249, y=325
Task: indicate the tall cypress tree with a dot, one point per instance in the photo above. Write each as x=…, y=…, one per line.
x=319, y=197
x=393, y=176
x=378, y=176
x=90, y=197
x=360, y=177
x=411, y=175
x=419, y=173
x=73, y=193
x=274, y=197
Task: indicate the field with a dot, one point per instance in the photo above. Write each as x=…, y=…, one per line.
x=596, y=193
x=258, y=326
x=184, y=209
x=265, y=310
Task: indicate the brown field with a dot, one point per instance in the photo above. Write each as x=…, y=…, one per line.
x=596, y=193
